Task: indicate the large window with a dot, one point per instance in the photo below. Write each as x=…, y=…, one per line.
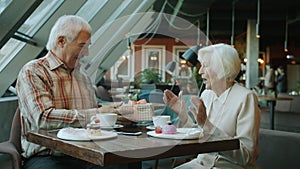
x=122, y=67
x=153, y=58
x=4, y=4
x=27, y=30
x=184, y=70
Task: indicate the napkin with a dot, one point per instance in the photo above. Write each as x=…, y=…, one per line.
x=73, y=133
x=194, y=132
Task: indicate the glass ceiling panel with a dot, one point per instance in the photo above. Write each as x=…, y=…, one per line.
x=10, y=49
x=4, y=4
x=90, y=9
x=29, y=28
x=39, y=16
x=98, y=33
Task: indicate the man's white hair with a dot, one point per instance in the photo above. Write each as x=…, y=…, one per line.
x=68, y=26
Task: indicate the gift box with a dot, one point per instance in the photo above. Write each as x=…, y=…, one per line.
x=143, y=112
x=138, y=112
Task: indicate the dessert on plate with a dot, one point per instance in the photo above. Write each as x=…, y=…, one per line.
x=93, y=128
x=166, y=129
x=169, y=129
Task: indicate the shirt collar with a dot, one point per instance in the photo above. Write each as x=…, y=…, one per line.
x=223, y=97
x=54, y=61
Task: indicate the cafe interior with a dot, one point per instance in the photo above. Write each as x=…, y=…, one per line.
x=139, y=48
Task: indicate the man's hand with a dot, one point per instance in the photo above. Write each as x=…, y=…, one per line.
x=112, y=108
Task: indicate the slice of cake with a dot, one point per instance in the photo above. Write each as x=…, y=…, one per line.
x=93, y=129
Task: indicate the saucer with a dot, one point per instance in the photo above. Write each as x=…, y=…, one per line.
x=116, y=126
x=150, y=127
x=182, y=134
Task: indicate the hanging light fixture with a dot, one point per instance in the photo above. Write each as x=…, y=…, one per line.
x=258, y=19
x=170, y=67
x=129, y=47
x=286, y=34
x=198, y=33
x=191, y=55
x=207, y=27
x=232, y=24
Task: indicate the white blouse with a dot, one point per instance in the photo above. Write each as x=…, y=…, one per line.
x=235, y=114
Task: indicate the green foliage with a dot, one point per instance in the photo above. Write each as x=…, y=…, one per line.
x=149, y=76
x=197, y=76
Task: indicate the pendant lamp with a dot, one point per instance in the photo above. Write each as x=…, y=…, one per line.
x=191, y=55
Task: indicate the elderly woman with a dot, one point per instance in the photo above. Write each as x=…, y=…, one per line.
x=225, y=109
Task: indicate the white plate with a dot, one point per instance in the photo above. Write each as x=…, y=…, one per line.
x=116, y=126
x=79, y=134
x=150, y=127
x=182, y=134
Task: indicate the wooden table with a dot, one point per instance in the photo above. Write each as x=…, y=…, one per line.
x=130, y=149
x=271, y=100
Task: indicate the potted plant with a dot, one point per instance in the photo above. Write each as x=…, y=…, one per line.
x=149, y=76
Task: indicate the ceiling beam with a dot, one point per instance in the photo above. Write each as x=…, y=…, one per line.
x=176, y=10
x=12, y=20
x=29, y=52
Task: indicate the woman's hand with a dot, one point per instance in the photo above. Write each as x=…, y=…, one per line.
x=198, y=110
x=177, y=104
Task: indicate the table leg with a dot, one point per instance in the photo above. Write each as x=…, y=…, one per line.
x=271, y=106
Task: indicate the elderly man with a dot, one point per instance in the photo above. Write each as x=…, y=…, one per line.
x=54, y=93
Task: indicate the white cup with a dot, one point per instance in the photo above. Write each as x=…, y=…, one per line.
x=161, y=120
x=106, y=119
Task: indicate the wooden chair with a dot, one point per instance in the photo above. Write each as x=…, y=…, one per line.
x=13, y=145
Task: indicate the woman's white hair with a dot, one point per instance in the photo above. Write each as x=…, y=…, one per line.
x=68, y=26
x=222, y=56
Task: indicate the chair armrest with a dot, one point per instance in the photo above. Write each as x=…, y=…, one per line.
x=9, y=148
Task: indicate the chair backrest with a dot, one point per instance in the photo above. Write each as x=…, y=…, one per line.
x=103, y=94
x=15, y=132
x=145, y=86
x=156, y=96
x=278, y=149
x=283, y=105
